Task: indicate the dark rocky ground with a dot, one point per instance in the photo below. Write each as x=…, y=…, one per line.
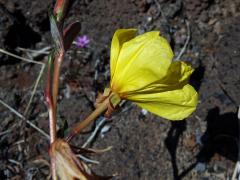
x=144, y=147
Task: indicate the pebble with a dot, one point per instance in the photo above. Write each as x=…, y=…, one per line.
x=104, y=130
x=200, y=167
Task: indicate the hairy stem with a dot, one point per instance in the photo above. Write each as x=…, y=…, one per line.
x=53, y=136
x=52, y=125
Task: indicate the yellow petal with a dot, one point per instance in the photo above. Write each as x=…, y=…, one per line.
x=119, y=37
x=141, y=61
x=173, y=105
x=178, y=75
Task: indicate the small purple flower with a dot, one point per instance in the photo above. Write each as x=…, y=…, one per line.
x=82, y=41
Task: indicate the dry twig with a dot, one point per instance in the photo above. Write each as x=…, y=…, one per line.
x=186, y=42
x=94, y=133
x=23, y=118
x=38, y=78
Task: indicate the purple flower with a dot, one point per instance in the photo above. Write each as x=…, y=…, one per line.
x=82, y=41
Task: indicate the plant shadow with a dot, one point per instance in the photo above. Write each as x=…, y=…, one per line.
x=197, y=76
x=171, y=142
x=221, y=137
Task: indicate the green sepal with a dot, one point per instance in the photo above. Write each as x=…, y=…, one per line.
x=114, y=99
x=106, y=92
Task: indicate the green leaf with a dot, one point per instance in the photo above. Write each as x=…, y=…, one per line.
x=56, y=34
x=63, y=130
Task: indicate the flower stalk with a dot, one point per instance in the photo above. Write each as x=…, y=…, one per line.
x=83, y=124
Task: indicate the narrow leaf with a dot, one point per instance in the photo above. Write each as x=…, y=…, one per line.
x=70, y=33
x=56, y=34
x=63, y=130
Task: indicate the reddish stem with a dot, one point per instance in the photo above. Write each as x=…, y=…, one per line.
x=51, y=107
x=57, y=64
x=52, y=113
x=60, y=9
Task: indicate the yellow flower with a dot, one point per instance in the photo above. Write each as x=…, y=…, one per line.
x=142, y=71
